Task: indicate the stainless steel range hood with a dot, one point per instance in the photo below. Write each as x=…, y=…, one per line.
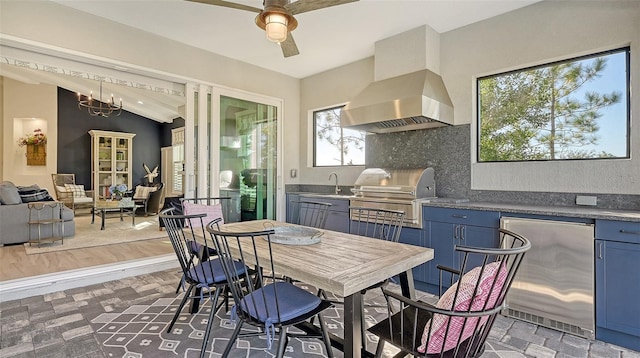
x=416, y=100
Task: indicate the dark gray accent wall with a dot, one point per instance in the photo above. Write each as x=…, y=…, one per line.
x=74, y=141
x=446, y=149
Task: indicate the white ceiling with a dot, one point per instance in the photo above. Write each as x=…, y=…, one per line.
x=326, y=38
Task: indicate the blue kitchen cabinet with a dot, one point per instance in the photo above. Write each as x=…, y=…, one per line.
x=617, y=263
x=291, y=198
x=338, y=216
x=415, y=237
x=450, y=227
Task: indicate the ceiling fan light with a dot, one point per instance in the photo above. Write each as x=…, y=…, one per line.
x=276, y=27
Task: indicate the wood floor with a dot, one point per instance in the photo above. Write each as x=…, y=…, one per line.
x=15, y=263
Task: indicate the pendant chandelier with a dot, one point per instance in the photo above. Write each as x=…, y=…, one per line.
x=99, y=107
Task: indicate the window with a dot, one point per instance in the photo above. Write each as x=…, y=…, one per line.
x=177, y=170
x=572, y=109
x=334, y=145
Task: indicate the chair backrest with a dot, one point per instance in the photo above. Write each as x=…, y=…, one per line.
x=459, y=324
x=62, y=179
x=156, y=199
x=256, y=305
x=189, y=243
x=59, y=180
x=377, y=223
x=213, y=206
x=308, y=213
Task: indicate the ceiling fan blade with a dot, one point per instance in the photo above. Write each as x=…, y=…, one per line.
x=230, y=4
x=289, y=47
x=301, y=6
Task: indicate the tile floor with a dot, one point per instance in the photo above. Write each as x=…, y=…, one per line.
x=58, y=324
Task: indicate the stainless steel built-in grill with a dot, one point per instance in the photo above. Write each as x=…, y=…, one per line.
x=395, y=189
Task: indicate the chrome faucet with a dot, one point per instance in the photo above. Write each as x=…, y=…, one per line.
x=338, y=190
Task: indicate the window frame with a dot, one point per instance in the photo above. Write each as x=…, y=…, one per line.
x=315, y=137
x=627, y=92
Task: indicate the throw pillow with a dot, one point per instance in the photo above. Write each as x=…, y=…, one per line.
x=30, y=196
x=77, y=190
x=30, y=187
x=142, y=192
x=212, y=211
x=9, y=194
x=466, y=301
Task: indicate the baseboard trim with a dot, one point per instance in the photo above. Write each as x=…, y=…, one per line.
x=60, y=281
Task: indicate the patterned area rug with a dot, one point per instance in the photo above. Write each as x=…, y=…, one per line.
x=116, y=232
x=140, y=331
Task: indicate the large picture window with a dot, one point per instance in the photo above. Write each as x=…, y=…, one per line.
x=572, y=109
x=334, y=145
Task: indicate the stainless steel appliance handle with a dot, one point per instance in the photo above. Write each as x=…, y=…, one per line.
x=411, y=192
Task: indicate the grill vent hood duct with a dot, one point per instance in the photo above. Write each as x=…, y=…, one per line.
x=416, y=100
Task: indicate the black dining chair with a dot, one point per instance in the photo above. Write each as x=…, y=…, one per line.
x=265, y=301
x=213, y=208
x=307, y=213
x=381, y=224
x=459, y=324
x=199, y=273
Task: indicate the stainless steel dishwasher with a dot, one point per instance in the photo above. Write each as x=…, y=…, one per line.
x=555, y=284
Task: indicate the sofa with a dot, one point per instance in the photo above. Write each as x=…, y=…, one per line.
x=14, y=214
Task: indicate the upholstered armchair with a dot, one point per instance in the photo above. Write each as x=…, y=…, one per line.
x=71, y=194
x=151, y=198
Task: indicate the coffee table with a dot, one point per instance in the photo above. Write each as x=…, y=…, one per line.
x=123, y=206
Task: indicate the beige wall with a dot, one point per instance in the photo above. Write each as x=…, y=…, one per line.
x=27, y=107
x=536, y=34
x=330, y=88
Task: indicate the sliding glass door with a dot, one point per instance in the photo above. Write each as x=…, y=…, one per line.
x=248, y=156
x=243, y=163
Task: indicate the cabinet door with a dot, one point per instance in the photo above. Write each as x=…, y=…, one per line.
x=338, y=215
x=618, y=287
x=414, y=237
x=337, y=221
x=442, y=239
x=474, y=236
x=290, y=198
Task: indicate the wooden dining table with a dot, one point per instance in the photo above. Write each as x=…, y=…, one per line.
x=343, y=264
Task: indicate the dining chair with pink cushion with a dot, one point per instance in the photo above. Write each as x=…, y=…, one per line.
x=459, y=324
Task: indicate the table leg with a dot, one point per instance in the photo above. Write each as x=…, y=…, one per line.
x=93, y=215
x=353, y=325
x=406, y=284
x=133, y=216
x=102, y=214
x=121, y=212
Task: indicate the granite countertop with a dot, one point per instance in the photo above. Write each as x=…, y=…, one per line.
x=585, y=212
x=550, y=210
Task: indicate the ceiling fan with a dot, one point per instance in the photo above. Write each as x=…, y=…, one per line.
x=276, y=18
